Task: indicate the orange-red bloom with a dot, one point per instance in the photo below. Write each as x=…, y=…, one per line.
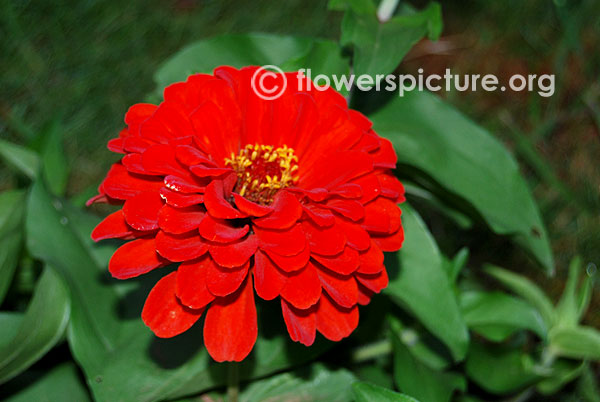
x=291, y=198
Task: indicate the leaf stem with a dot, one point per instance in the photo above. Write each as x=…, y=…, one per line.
x=372, y=351
x=233, y=382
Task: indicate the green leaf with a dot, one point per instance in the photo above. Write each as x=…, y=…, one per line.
x=365, y=392
x=576, y=342
x=107, y=336
x=467, y=161
x=421, y=285
x=9, y=326
x=574, y=302
x=12, y=208
x=54, y=162
x=380, y=46
x=363, y=7
x=421, y=345
x=59, y=384
x=563, y=371
x=289, y=53
x=21, y=159
x=499, y=369
x=459, y=261
x=41, y=328
x=420, y=381
x=526, y=289
x=314, y=384
x=496, y=315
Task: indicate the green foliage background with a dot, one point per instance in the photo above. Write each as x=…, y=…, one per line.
x=452, y=325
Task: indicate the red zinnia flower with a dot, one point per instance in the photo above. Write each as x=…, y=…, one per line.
x=291, y=198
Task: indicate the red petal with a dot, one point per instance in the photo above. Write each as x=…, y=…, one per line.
x=356, y=236
x=301, y=324
x=234, y=254
x=133, y=163
x=290, y=263
x=283, y=242
x=121, y=184
x=164, y=314
x=250, y=208
x=191, y=283
x=375, y=282
x=342, y=289
x=182, y=185
x=268, y=281
x=116, y=145
x=351, y=209
x=320, y=216
x=344, y=263
x=137, y=114
x=180, y=200
x=370, y=186
x=371, y=261
x=134, y=258
x=224, y=281
x=183, y=247
x=287, y=211
x=216, y=204
x=348, y=190
x=392, y=242
x=324, y=241
x=112, y=227
x=391, y=187
x=160, y=159
x=335, y=322
x=303, y=288
x=385, y=157
x=141, y=211
x=190, y=156
x=204, y=171
x=230, y=328
x=382, y=216
x=364, y=295
x=180, y=220
x=221, y=231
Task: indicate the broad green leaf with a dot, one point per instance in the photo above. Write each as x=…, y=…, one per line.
x=365, y=392
x=9, y=326
x=12, y=208
x=467, y=161
x=419, y=283
x=121, y=358
x=377, y=374
x=499, y=369
x=54, y=162
x=289, y=53
x=59, y=384
x=496, y=315
x=316, y=383
x=526, y=289
x=380, y=46
x=576, y=342
x=41, y=328
x=420, y=381
x=21, y=159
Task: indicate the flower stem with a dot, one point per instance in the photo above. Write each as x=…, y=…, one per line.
x=386, y=9
x=233, y=382
x=372, y=351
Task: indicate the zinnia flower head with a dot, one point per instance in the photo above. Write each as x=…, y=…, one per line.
x=290, y=199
